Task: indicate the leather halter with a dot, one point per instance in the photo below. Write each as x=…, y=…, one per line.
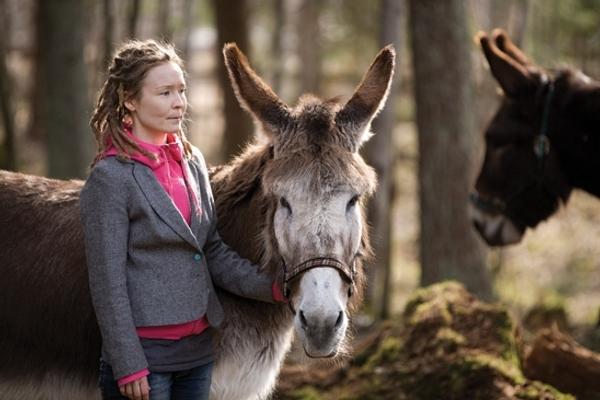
x=346, y=271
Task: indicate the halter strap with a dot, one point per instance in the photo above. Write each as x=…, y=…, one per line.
x=346, y=271
x=541, y=146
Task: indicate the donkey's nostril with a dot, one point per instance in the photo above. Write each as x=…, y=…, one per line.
x=340, y=320
x=303, y=320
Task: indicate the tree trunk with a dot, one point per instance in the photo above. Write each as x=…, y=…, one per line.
x=231, y=18
x=36, y=130
x=8, y=156
x=107, y=11
x=189, y=12
x=309, y=48
x=132, y=18
x=449, y=248
x=277, y=44
x=379, y=152
x=519, y=21
x=165, y=31
x=65, y=103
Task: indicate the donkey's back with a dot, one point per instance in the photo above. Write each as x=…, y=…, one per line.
x=47, y=324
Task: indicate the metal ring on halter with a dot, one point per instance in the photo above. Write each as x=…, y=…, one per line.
x=541, y=146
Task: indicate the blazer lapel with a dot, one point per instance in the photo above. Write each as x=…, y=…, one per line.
x=162, y=204
x=195, y=204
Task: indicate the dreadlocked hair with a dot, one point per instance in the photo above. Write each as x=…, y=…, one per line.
x=126, y=73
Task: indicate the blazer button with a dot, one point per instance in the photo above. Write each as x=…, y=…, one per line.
x=197, y=257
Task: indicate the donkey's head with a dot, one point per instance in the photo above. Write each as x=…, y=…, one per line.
x=520, y=183
x=316, y=183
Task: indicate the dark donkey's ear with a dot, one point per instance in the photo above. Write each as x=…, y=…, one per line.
x=506, y=45
x=354, y=119
x=253, y=94
x=507, y=62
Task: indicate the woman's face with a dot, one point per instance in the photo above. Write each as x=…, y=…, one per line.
x=161, y=104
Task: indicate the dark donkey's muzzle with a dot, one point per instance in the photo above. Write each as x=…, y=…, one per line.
x=489, y=205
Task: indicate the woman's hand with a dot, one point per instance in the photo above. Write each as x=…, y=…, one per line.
x=136, y=390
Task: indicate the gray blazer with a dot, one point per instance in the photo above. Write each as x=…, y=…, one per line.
x=146, y=266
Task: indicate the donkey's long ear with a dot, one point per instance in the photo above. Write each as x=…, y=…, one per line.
x=506, y=45
x=253, y=94
x=512, y=76
x=354, y=119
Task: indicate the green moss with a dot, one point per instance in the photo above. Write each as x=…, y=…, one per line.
x=466, y=374
x=388, y=351
x=507, y=369
x=447, y=336
x=504, y=327
x=537, y=390
x=305, y=393
x=448, y=291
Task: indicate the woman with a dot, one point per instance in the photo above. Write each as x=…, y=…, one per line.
x=153, y=250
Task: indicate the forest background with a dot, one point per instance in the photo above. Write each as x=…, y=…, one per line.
x=53, y=58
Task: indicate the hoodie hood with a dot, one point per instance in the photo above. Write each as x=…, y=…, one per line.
x=173, y=147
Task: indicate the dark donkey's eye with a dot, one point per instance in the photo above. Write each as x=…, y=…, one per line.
x=352, y=202
x=284, y=203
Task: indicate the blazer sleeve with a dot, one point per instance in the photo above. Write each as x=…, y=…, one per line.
x=227, y=268
x=233, y=273
x=103, y=205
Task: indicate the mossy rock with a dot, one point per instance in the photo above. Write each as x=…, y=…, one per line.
x=448, y=345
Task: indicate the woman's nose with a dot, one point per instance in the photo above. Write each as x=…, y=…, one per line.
x=180, y=100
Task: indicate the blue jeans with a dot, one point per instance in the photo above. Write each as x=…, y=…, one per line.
x=192, y=384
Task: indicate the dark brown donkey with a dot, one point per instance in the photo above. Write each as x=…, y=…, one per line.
x=543, y=142
x=294, y=200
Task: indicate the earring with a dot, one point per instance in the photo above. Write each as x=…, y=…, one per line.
x=127, y=121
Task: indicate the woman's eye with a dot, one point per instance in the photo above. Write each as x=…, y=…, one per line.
x=284, y=203
x=352, y=202
x=165, y=93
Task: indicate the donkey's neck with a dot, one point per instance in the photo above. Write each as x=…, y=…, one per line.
x=241, y=205
x=577, y=138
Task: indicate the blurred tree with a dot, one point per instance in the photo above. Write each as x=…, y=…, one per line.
x=108, y=37
x=449, y=248
x=566, y=31
x=65, y=101
x=189, y=11
x=277, y=44
x=132, y=18
x=36, y=129
x=165, y=29
x=8, y=156
x=379, y=152
x=231, y=18
x=309, y=46
x=519, y=18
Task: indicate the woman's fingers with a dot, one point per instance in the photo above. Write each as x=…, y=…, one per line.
x=145, y=388
x=129, y=390
x=122, y=389
x=136, y=390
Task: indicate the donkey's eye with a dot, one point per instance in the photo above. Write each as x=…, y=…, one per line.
x=284, y=203
x=352, y=202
